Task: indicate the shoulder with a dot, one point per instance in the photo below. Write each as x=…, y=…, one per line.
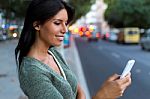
x=31, y=70
x=35, y=82
x=30, y=67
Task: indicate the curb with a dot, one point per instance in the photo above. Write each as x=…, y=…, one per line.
x=72, y=57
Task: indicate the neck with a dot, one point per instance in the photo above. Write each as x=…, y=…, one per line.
x=39, y=50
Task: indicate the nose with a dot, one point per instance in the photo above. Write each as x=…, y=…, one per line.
x=64, y=29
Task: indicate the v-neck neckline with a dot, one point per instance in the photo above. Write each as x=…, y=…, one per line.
x=62, y=74
x=58, y=64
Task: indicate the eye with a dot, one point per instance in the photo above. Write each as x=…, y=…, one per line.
x=57, y=23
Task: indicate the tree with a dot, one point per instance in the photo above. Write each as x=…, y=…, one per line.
x=18, y=7
x=13, y=9
x=81, y=7
x=128, y=13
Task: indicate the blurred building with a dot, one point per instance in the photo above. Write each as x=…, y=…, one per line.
x=96, y=16
x=2, y=20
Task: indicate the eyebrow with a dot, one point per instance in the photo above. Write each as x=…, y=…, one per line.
x=59, y=20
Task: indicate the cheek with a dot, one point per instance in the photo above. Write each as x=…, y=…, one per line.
x=49, y=32
x=51, y=35
x=52, y=29
x=44, y=34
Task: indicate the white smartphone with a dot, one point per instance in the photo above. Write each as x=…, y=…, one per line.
x=127, y=68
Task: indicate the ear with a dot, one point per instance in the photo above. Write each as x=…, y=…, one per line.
x=36, y=25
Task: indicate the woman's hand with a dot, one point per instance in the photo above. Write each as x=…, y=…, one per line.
x=80, y=93
x=113, y=87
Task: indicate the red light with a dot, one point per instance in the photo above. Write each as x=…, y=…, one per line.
x=107, y=35
x=97, y=35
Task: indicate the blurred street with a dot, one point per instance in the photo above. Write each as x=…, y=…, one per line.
x=102, y=37
x=99, y=60
x=102, y=59
x=9, y=85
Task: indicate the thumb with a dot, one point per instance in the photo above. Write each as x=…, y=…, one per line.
x=113, y=77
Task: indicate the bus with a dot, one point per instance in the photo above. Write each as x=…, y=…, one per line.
x=129, y=35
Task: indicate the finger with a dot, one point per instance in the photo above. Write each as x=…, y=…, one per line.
x=126, y=84
x=121, y=94
x=126, y=79
x=113, y=77
x=128, y=75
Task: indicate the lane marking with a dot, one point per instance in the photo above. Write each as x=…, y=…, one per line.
x=115, y=55
x=138, y=70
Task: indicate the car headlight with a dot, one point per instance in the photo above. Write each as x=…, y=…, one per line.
x=14, y=34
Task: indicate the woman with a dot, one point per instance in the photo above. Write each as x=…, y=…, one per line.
x=43, y=74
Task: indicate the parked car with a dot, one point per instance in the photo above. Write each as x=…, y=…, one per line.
x=93, y=33
x=145, y=41
x=13, y=32
x=2, y=35
x=105, y=36
x=95, y=36
x=113, y=35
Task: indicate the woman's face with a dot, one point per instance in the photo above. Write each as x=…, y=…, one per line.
x=52, y=31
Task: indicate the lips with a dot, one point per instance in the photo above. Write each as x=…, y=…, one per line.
x=60, y=37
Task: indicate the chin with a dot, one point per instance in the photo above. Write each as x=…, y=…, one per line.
x=57, y=45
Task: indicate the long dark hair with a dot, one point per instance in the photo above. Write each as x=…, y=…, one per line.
x=41, y=11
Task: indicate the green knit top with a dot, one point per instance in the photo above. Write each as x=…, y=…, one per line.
x=39, y=81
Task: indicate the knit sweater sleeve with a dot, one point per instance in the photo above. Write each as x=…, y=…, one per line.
x=36, y=85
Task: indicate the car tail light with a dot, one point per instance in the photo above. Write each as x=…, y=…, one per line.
x=81, y=33
x=107, y=35
x=87, y=33
x=97, y=35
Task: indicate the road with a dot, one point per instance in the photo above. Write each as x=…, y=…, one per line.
x=102, y=59
x=9, y=85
